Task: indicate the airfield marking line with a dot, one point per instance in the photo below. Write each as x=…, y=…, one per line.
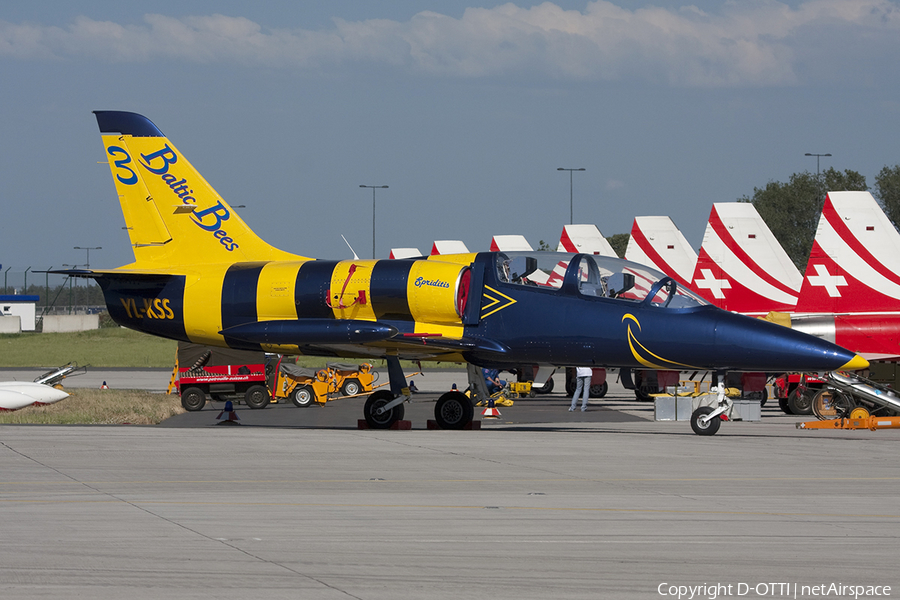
x=137, y=503
x=480, y=480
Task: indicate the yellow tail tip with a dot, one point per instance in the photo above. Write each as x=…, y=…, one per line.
x=855, y=364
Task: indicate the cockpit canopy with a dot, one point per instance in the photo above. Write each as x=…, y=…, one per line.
x=598, y=276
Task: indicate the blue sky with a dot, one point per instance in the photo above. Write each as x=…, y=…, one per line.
x=465, y=109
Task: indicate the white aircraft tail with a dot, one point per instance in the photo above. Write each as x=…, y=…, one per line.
x=448, y=247
x=854, y=265
x=510, y=243
x=405, y=253
x=741, y=266
x=658, y=243
x=584, y=238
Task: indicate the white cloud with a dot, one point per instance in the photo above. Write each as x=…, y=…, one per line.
x=743, y=44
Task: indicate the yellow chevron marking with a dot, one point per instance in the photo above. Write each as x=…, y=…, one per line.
x=494, y=302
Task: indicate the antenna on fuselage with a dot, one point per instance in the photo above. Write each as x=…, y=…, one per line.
x=355, y=257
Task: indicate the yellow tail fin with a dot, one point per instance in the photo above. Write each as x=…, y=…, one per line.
x=173, y=216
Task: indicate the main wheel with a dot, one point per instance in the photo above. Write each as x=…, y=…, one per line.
x=598, y=391
x=351, y=387
x=453, y=410
x=642, y=394
x=800, y=403
x=385, y=419
x=303, y=396
x=257, y=396
x=762, y=396
x=783, y=405
x=544, y=389
x=193, y=399
x=708, y=428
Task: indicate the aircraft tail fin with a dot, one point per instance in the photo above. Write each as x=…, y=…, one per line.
x=854, y=265
x=173, y=216
x=658, y=243
x=741, y=266
x=448, y=247
x=586, y=239
x=510, y=243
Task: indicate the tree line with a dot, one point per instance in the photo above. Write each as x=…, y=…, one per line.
x=791, y=209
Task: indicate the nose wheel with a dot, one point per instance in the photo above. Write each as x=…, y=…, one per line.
x=703, y=426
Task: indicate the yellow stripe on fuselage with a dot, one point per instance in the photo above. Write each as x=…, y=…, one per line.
x=203, y=305
x=344, y=295
x=275, y=291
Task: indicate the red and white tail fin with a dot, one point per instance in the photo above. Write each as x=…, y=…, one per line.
x=584, y=238
x=658, y=243
x=854, y=265
x=405, y=253
x=448, y=247
x=510, y=243
x=741, y=266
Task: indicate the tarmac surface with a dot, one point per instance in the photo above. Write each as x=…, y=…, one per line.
x=542, y=503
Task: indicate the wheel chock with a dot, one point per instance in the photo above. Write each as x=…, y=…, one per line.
x=470, y=426
x=400, y=425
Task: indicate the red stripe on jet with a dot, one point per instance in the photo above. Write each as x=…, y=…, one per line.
x=719, y=227
x=837, y=223
x=658, y=261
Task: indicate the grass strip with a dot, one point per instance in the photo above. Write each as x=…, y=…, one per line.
x=99, y=407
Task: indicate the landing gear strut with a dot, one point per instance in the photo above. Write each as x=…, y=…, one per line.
x=384, y=408
x=705, y=420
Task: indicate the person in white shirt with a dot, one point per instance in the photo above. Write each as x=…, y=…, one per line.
x=582, y=386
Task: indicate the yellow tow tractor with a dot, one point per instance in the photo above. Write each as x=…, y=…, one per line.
x=304, y=385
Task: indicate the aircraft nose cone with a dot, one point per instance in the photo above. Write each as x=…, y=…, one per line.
x=855, y=364
x=778, y=348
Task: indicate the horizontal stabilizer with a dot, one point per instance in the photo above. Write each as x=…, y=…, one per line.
x=310, y=331
x=121, y=273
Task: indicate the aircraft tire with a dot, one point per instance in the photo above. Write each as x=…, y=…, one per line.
x=783, y=405
x=598, y=391
x=800, y=403
x=385, y=420
x=351, y=387
x=761, y=396
x=256, y=397
x=303, y=396
x=642, y=394
x=544, y=389
x=453, y=410
x=711, y=426
x=193, y=399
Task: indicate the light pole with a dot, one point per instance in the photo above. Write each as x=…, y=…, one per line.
x=374, y=187
x=818, y=177
x=87, y=263
x=71, y=279
x=818, y=156
x=571, y=212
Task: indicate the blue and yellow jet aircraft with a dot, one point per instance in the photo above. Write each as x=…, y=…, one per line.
x=201, y=275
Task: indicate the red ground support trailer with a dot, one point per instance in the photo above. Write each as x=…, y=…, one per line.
x=221, y=374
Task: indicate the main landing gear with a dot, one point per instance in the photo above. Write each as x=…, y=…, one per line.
x=453, y=410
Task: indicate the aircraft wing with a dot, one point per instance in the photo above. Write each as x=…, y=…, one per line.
x=330, y=333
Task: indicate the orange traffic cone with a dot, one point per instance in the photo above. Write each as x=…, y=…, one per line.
x=104, y=386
